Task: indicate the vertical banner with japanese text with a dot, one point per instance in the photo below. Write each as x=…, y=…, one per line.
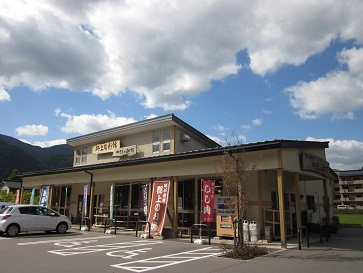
x=158, y=206
x=208, y=188
x=45, y=196
x=111, y=202
x=143, y=200
x=85, y=192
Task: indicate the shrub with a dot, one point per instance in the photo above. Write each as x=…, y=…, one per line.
x=242, y=252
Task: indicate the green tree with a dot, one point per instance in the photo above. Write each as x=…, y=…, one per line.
x=7, y=197
x=12, y=175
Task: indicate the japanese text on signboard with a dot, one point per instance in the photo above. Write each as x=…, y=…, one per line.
x=158, y=205
x=108, y=147
x=208, y=188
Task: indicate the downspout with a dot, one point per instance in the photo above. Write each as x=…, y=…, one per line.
x=92, y=190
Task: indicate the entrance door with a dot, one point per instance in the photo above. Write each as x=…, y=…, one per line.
x=61, y=199
x=80, y=207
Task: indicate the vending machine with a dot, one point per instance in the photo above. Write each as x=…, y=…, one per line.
x=226, y=213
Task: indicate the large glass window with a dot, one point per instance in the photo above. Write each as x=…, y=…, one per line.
x=135, y=196
x=122, y=199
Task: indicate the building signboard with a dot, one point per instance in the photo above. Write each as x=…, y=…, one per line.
x=129, y=151
x=108, y=147
x=311, y=162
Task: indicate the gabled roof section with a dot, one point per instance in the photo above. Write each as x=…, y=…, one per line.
x=141, y=126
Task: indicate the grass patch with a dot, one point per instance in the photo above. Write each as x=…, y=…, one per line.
x=350, y=218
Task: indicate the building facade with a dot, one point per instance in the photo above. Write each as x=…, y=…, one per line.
x=290, y=186
x=350, y=186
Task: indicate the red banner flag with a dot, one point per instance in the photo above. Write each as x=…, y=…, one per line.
x=158, y=206
x=208, y=188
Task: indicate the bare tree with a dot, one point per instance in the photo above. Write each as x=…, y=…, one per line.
x=235, y=172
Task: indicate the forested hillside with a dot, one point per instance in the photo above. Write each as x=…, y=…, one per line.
x=15, y=154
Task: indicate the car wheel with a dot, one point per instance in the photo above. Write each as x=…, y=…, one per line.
x=12, y=230
x=62, y=228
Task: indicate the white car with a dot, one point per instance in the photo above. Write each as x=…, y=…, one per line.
x=4, y=204
x=22, y=218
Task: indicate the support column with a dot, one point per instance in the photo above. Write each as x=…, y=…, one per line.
x=91, y=198
x=297, y=201
x=50, y=198
x=21, y=194
x=326, y=202
x=175, y=204
x=259, y=196
x=196, y=201
x=280, y=187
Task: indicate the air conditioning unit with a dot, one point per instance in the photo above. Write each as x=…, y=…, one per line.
x=184, y=137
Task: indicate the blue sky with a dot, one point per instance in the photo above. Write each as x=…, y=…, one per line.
x=260, y=70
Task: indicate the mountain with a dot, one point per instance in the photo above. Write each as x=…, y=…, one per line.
x=15, y=154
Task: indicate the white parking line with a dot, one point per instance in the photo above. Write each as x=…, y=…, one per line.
x=64, y=240
x=168, y=260
x=106, y=247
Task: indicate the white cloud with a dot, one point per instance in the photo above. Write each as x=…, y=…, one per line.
x=246, y=127
x=4, y=96
x=343, y=154
x=257, y=122
x=338, y=94
x=47, y=143
x=32, y=130
x=84, y=124
x=57, y=112
x=167, y=52
x=150, y=116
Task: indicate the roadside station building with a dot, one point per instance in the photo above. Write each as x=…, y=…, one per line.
x=119, y=166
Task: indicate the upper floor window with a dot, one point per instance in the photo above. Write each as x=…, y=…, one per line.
x=161, y=142
x=81, y=156
x=166, y=141
x=156, y=143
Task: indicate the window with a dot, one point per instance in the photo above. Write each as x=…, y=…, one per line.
x=81, y=156
x=166, y=141
x=156, y=143
x=28, y=210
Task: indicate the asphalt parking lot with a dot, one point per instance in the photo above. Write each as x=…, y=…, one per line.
x=78, y=251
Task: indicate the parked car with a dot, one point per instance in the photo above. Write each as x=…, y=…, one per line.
x=344, y=207
x=23, y=218
x=4, y=204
